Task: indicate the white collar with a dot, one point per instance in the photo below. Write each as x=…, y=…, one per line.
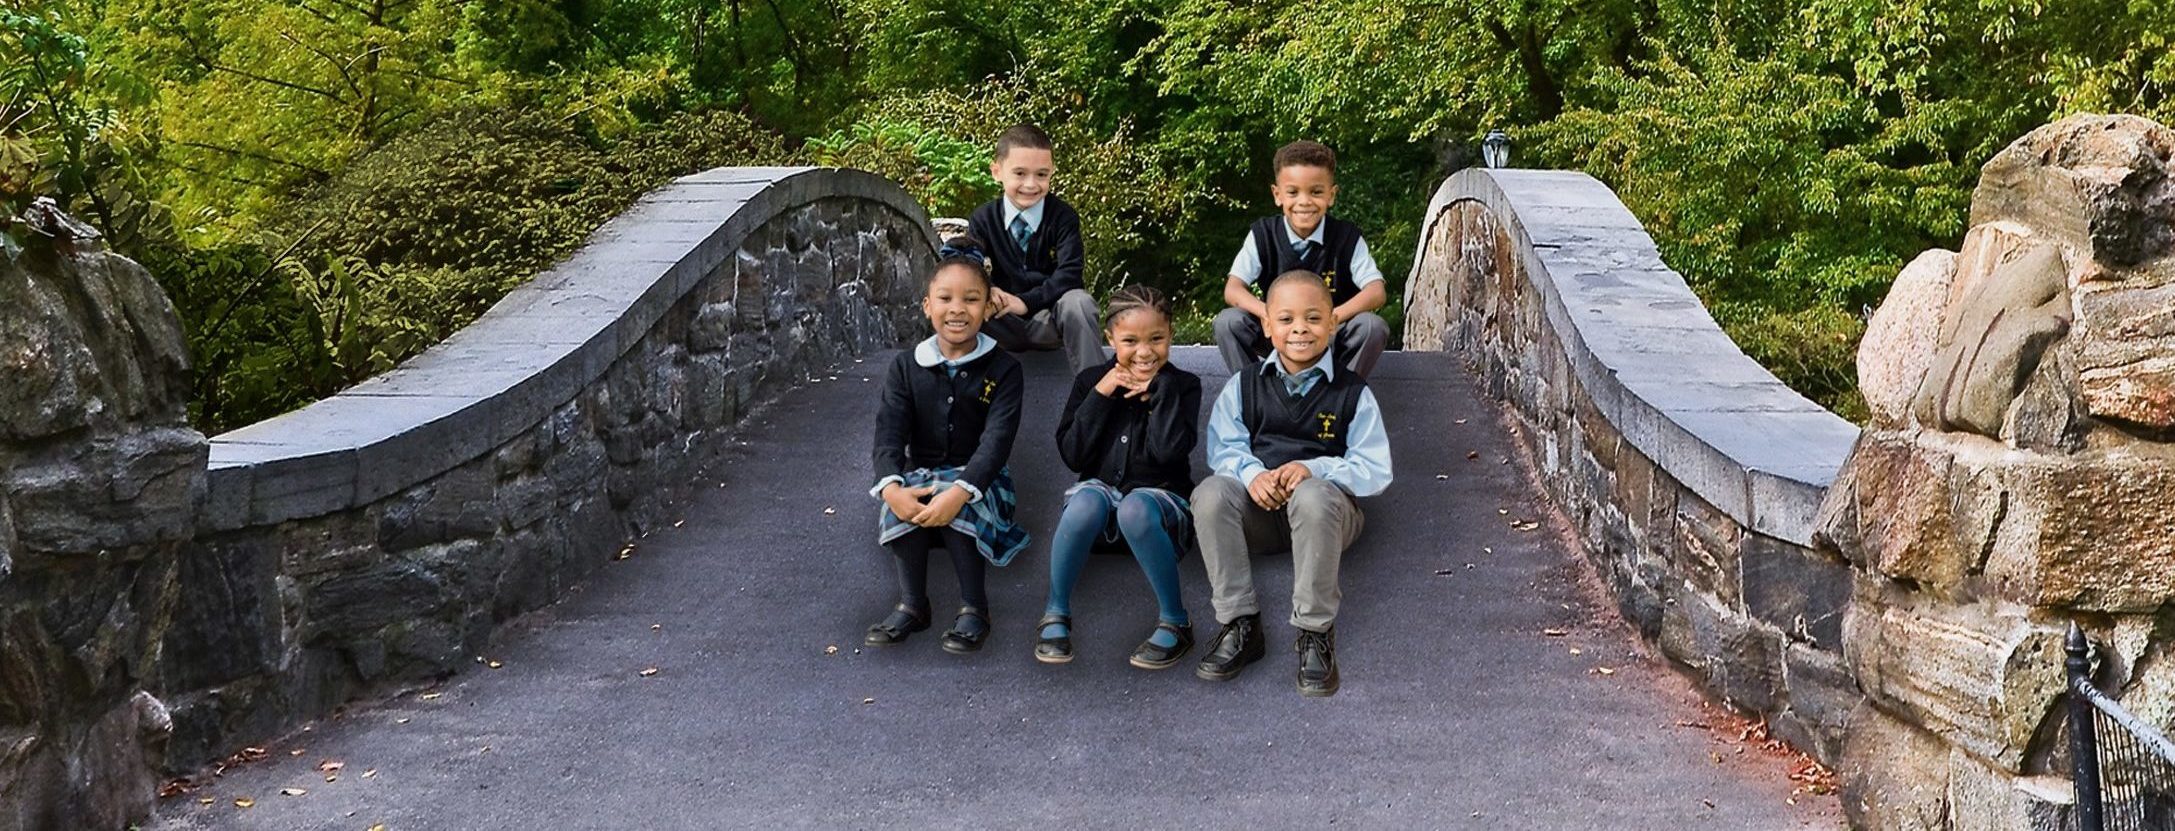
x=1318, y=236
x=1032, y=213
x=926, y=353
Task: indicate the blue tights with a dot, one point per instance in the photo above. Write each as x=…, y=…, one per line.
x=1141, y=520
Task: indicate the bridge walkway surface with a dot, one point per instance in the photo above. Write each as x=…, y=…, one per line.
x=1487, y=684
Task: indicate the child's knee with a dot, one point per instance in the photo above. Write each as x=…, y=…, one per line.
x=1138, y=515
x=1217, y=494
x=1086, y=504
x=1370, y=328
x=1316, y=496
x=1233, y=321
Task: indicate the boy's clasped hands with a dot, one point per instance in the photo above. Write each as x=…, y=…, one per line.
x=1274, y=487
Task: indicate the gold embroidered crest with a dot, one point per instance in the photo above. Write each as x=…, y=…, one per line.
x=1329, y=421
x=1329, y=278
x=989, y=388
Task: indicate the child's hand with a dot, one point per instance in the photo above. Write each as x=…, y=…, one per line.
x=1136, y=386
x=904, y=502
x=1289, y=476
x=1111, y=382
x=942, y=508
x=1267, y=491
x=1006, y=303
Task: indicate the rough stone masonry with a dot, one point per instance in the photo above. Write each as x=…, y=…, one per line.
x=2017, y=475
x=99, y=478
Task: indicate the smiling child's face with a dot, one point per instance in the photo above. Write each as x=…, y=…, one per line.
x=957, y=302
x=1142, y=340
x=1301, y=320
x=1305, y=192
x=1024, y=173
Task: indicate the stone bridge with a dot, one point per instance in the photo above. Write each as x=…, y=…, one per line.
x=586, y=563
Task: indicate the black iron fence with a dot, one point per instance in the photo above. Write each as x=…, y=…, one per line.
x=2124, y=769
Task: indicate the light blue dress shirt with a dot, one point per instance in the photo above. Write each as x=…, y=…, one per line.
x=1363, y=470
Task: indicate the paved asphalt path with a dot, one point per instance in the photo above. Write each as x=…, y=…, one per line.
x=1457, y=711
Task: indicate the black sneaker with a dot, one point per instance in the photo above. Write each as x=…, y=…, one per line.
x=1149, y=655
x=1317, y=663
x=1236, y=646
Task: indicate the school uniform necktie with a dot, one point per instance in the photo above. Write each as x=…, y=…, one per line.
x=1307, y=252
x=1020, y=231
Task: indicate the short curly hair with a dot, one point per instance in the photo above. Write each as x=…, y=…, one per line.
x=1305, y=153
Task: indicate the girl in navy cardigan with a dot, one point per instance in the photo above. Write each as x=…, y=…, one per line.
x=944, y=428
x=1128, y=430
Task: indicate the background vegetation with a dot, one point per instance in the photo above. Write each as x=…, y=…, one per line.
x=328, y=186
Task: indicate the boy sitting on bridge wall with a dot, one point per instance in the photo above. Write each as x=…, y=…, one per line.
x=1035, y=257
x=1305, y=237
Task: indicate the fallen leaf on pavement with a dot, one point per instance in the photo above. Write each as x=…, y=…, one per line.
x=1445, y=571
x=830, y=650
x=868, y=701
x=1555, y=633
x=328, y=766
x=204, y=801
x=1472, y=454
x=827, y=511
x=649, y=672
x=244, y=802
x=429, y=696
x=292, y=791
x=1604, y=670
x=369, y=773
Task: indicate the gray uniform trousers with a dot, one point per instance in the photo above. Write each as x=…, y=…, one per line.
x=1359, y=345
x=1317, y=525
x=1073, y=322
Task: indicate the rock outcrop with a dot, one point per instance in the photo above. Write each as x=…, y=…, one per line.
x=100, y=476
x=2017, y=475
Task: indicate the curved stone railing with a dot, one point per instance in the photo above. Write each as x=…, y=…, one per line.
x=1693, y=475
x=380, y=534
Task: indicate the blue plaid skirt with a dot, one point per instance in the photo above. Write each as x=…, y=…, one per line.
x=988, y=520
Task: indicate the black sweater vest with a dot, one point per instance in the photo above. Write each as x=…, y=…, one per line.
x=1332, y=259
x=1284, y=428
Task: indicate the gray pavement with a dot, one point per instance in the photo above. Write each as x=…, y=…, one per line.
x=1457, y=711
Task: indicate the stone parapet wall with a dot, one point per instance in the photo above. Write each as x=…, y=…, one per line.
x=378, y=537
x=1692, y=474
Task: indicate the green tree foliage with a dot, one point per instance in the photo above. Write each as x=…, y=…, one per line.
x=329, y=185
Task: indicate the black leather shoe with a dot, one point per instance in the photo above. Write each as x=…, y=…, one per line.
x=1151, y=656
x=903, y=621
x=1317, y=663
x=1236, y=646
x=1057, y=650
x=968, y=631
